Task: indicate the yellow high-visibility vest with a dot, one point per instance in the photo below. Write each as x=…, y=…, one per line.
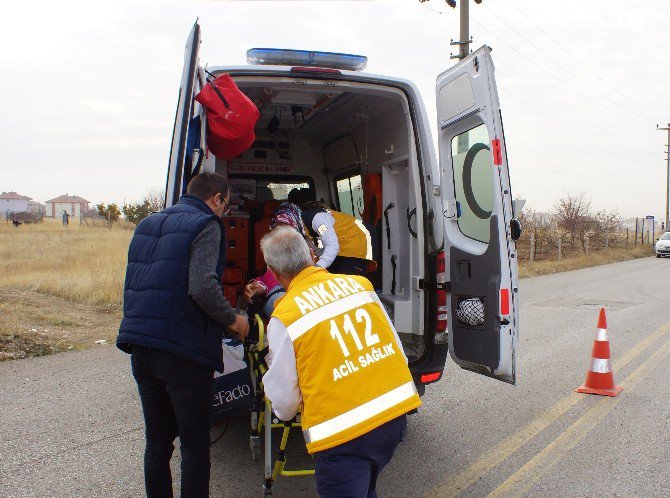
x=354, y=238
x=352, y=234
x=352, y=375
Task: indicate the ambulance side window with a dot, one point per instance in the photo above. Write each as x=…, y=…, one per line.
x=350, y=195
x=473, y=182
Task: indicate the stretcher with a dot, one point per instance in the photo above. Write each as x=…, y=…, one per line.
x=263, y=420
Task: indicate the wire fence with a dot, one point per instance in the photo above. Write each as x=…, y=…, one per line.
x=550, y=243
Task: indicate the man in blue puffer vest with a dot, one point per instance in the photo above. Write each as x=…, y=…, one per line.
x=174, y=317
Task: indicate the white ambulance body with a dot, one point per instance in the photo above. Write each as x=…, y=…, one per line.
x=448, y=270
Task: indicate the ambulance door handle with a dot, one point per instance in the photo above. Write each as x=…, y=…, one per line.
x=388, y=226
x=410, y=215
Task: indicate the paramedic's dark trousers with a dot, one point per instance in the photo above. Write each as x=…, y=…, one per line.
x=176, y=397
x=351, y=469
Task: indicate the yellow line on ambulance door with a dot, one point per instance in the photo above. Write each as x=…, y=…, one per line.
x=503, y=450
x=523, y=479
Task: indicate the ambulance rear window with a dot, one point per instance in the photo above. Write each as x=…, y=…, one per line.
x=277, y=188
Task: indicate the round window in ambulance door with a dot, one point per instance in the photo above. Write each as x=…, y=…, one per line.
x=473, y=182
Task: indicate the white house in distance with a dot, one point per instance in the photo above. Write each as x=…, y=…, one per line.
x=11, y=202
x=71, y=204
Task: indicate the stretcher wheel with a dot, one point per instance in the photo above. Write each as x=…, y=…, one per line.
x=267, y=491
x=255, y=445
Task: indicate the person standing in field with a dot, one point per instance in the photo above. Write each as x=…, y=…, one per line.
x=174, y=317
x=334, y=349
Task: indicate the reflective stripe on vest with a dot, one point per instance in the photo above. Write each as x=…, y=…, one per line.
x=368, y=240
x=360, y=414
x=313, y=318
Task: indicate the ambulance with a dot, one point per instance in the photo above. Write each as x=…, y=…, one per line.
x=361, y=143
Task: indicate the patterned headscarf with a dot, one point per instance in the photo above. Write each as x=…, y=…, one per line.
x=288, y=214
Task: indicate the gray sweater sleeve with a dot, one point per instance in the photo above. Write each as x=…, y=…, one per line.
x=203, y=286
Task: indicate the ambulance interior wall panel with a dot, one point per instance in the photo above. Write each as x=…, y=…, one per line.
x=308, y=161
x=386, y=139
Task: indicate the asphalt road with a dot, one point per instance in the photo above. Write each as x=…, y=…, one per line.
x=70, y=424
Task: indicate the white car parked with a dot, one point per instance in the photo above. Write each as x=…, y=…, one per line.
x=663, y=245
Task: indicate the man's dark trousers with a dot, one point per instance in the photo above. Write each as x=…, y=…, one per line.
x=351, y=469
x=176, y=396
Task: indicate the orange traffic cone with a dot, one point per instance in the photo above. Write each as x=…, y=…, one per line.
x=600, y=378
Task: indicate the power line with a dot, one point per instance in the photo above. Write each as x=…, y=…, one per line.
x=578, y=124
x=630, y=113
x=575, y=58
x=557, y=63
x=557, y=78
x=589, y=141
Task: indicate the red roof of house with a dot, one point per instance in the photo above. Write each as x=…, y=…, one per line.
x=14, y=195
x=72, y=199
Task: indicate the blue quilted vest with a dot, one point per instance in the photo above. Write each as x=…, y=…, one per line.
x=157, y=310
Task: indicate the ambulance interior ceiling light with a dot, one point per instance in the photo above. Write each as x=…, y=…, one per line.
x=305, y=99
x=284, y=57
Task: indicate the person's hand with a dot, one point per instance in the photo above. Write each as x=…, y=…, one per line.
x=252, y=290
x=240, y=328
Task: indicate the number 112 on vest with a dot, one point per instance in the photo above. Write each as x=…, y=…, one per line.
x=371, y=339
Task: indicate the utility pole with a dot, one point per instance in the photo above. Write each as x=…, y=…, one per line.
x=464, y=39
x=667, y=175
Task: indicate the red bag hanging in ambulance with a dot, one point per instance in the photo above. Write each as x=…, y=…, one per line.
x=231, y=117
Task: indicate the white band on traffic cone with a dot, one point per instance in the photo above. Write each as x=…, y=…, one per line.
x=600, y=365
x=601, y=335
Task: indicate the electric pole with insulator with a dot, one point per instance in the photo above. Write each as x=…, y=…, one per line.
x=464, y=39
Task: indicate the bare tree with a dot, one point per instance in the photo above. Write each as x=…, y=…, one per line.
x=156, y=200
x=574, y=218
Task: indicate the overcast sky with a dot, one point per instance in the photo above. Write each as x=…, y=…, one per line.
x=89, y=88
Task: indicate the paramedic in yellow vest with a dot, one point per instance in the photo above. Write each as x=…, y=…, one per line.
x=345, y=242
x=334, y=350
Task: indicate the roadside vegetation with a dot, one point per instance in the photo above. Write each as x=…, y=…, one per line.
x=577, y=261
x=573, y=236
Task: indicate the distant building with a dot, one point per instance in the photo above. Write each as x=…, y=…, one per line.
x=11, y=202
x=36, y=208
x=71, y=204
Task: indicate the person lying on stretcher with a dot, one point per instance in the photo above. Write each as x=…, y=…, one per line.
x=266, y=286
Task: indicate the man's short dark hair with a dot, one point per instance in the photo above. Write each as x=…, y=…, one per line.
x=301, y=196
x=207, y=185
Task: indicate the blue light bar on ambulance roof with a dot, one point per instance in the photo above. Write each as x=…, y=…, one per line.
x=284, y=57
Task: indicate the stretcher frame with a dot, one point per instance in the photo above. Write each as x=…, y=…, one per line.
x=263, y=420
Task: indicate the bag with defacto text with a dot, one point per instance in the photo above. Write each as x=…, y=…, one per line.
x=233, y=390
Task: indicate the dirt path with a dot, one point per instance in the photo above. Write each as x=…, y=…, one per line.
x=35, y=324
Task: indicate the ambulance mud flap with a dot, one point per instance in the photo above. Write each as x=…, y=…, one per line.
x=476, y=277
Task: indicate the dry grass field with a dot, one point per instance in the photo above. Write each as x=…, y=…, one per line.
x=61, y=287
x=579, y=260
x=81, y=264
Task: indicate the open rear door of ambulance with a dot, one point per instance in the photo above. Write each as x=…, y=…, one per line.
x=173, y=187
x=480, y=228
